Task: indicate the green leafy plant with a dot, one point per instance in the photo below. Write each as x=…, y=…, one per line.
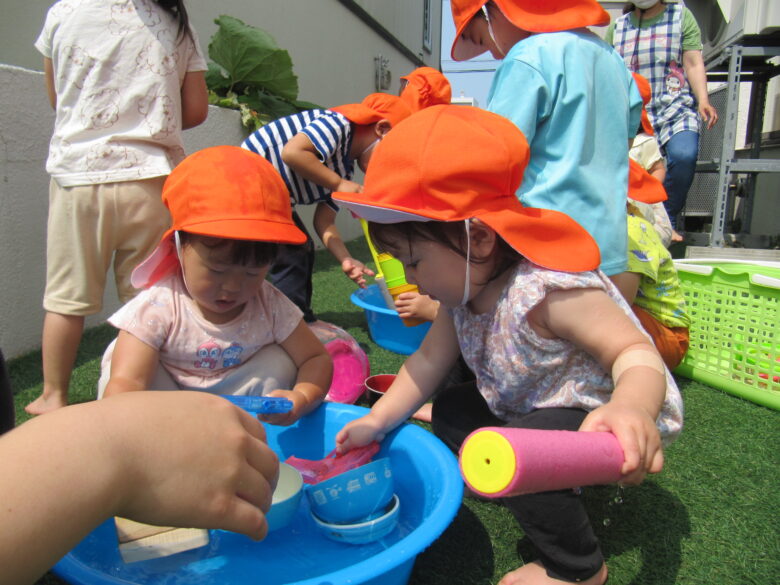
x=249, y=72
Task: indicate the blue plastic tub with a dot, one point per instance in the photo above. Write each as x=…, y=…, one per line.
x=428, y=485
x=385, y=326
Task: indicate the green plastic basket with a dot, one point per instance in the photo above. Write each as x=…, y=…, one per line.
x=735, y=316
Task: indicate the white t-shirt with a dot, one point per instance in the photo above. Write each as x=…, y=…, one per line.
x=118, y=70
x=194, y=351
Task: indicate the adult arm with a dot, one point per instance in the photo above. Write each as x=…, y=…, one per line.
x=66, y=472
x=696, y=73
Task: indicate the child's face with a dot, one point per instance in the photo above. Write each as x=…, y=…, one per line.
x=477, y=32
x=437, y=270
x=219, y=287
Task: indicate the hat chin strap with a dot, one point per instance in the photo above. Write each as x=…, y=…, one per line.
x=490, y=30
x=177, y=242
x=467, y=283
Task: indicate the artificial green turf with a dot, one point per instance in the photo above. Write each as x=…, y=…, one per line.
x=711, y=517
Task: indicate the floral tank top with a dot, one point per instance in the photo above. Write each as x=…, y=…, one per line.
x=519, y=371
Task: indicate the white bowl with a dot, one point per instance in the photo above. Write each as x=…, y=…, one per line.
x=363, y=532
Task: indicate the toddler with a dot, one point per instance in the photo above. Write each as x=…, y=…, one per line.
x=124, y=77
x=208, y=320
x=551, y=341
x=315, y=152
x=573, y=98
x=423, y=87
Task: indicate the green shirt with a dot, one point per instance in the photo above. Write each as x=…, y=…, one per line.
x=659, y=288
x=691, y=40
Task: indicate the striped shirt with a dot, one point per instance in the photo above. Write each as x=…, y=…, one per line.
x=331, y=135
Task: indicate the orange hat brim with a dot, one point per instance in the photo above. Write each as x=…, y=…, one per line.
x=642, y=186
x=529, y=15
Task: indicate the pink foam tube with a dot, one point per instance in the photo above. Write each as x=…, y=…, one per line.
x=497, y=462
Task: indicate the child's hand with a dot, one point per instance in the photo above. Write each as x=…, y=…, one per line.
x=285, y=419
x=356, y=271
x=359, y=432
x=414, y=305
x=346, y=186
x=637, y=434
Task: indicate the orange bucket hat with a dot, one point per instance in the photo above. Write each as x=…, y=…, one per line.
x=644, y=90
x=642, y=186
x=426, y=87
x=223, y=192
x=450, y=163
x=536, y=16
x=375, y=107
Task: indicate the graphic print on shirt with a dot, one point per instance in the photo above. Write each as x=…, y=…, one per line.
x=208, y=355
x=232, y=355
x=675, y=81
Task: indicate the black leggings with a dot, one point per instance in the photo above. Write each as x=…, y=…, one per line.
x=555, y=522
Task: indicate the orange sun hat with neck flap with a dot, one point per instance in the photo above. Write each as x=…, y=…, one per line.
x=221, y=192
x=426, y=87
x=644, y=90
x=375, y=107
x=536, y=16
x=452, y=163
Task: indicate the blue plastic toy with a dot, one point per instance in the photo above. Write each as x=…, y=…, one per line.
x=262, y=404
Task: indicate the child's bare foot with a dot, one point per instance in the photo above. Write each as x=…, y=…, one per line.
x=46, y=403
x=676, y=236
x=535, y=574
x=424, y=412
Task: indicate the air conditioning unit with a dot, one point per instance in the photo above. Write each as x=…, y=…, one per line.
x=728, y=22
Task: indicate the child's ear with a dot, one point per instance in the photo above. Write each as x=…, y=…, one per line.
x=483, y=238
x=383, y=127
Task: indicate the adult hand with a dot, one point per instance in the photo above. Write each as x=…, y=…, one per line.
x=189, y=459
x=709, y=114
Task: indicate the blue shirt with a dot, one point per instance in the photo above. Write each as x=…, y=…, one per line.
x=577, y=104
x=331, y=135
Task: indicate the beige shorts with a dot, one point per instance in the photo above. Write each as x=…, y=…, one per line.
x=89, y=228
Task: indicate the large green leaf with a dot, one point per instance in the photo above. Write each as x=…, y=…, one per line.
x=250, y=56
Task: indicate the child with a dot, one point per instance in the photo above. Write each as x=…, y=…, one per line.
x=564, y=89
x=315, y=152
x=208, y=319
x=124, y=78
x=538, y=325
x=651, y=285
x=645, y=151
x=424, y=87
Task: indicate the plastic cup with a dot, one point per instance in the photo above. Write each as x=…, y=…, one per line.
x=377, y=385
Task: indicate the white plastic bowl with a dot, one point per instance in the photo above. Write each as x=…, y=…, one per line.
x=363, y=532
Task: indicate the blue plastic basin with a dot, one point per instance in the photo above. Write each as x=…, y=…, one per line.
x=384, y=325
x=427, y=482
